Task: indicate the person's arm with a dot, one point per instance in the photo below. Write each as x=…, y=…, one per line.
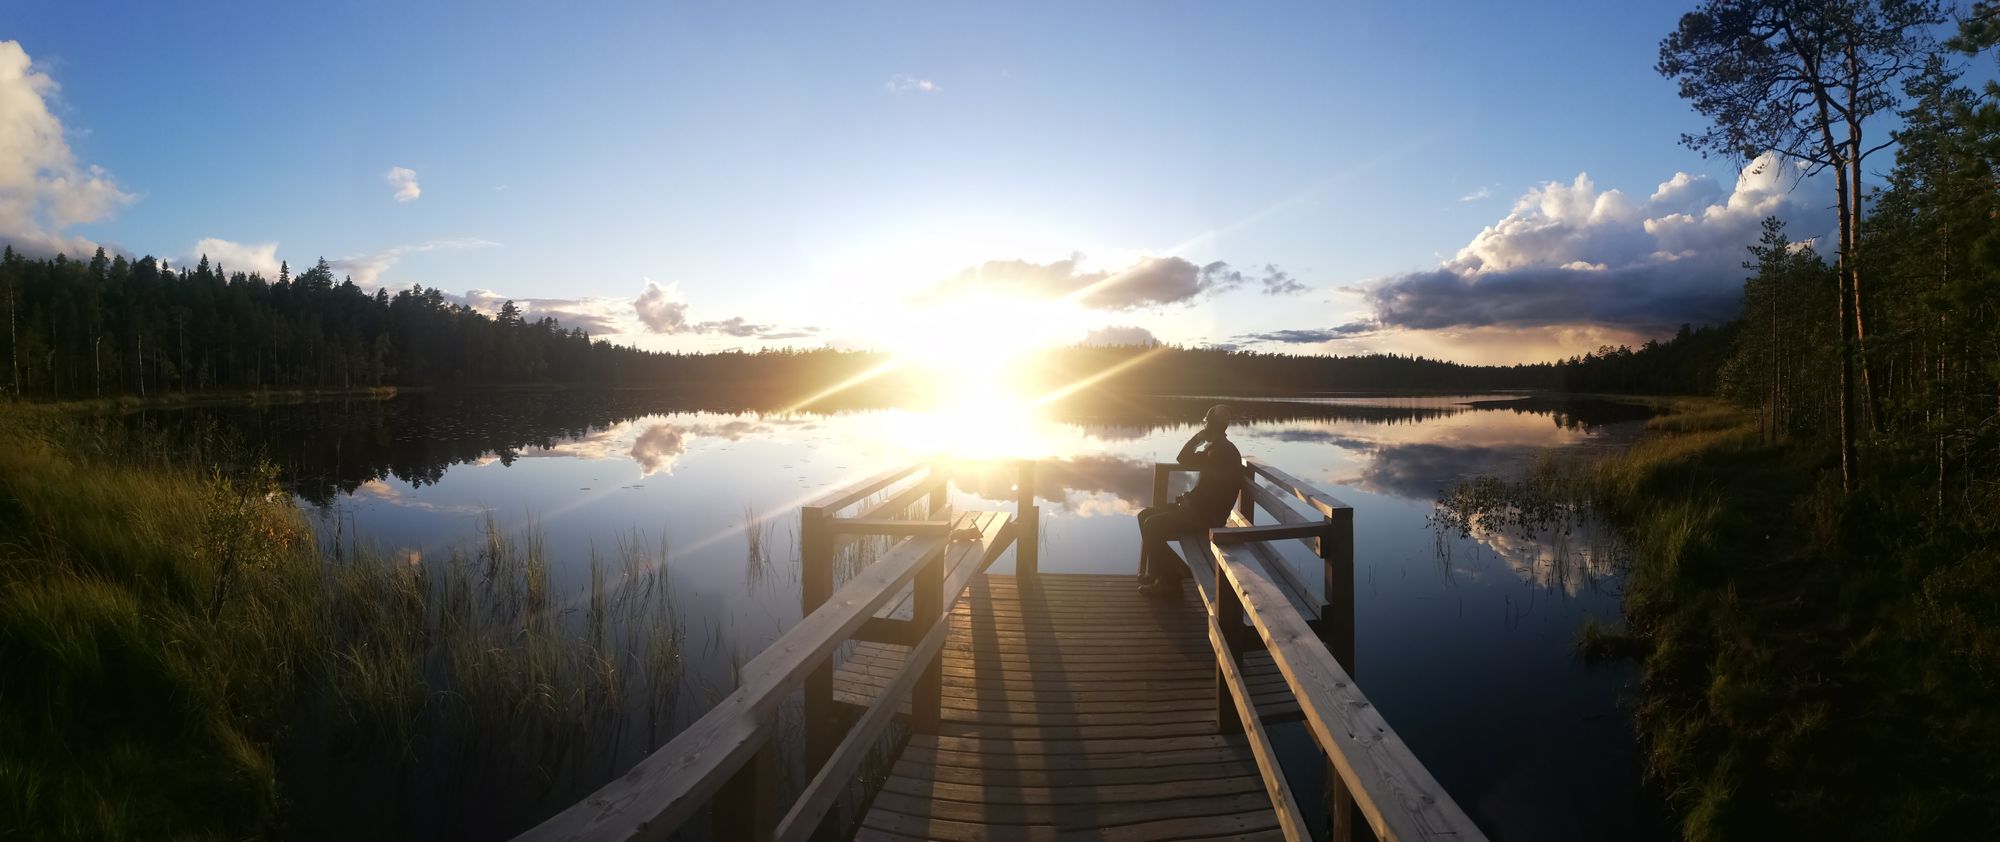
x=1191, y=456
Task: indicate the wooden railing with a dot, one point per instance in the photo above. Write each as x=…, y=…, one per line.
x=1255, y=602
x=730, y=755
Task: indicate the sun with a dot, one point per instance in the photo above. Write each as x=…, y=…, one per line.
x=971, y=347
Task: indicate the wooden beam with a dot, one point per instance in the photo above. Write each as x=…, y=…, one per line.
x=1391, y=788
x=874, y=526
x=1161, y=471
x=1275, y=506
x=894, y=507
x=1027, y=528
x=842, y=498
x=840, y=770
x=1314, y=497
x=1228, y=535
x=671, y=784
x=1290, y=821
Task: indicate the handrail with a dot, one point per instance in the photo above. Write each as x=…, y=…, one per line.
x=728, y=755
x=1372, y=771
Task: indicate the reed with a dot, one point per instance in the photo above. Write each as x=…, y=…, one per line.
x=170, y=625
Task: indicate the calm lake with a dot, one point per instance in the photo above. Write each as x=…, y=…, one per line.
x=1465, y=644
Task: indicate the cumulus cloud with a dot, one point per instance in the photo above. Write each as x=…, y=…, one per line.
x=596, y=315
x=1120, y=335
x=404, y=180
x=1572, y=254
x=1310, y=336
x=662, y=310
x=254, y=258
x=366, y=269
x=658, y=448
x=1150, y=282
x=904, y=83
x=43, y=190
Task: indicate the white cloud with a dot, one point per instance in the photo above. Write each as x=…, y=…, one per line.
x=904, y=83
x=404, y=180
x=662, y=310
x=1476, y=195
x=1572, y=254
x=254, y=258
x=366, y=269
x=43, y=190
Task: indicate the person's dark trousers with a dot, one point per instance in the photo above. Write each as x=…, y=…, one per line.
x=1157, y=526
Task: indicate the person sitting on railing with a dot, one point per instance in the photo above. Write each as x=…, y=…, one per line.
x=1220, y=465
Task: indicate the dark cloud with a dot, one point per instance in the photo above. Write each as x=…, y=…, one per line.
x=1646, y=297
x=1315, y=336
x=1151, y=282
x=1422, y=471
x=1279, y=282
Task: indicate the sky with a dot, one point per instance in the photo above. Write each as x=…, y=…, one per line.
x=1485, y=182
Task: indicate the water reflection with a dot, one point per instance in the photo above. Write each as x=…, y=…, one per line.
x=1485, y=690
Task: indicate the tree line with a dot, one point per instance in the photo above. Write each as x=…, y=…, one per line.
x=113, y=326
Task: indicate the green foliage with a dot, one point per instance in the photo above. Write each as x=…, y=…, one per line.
x=169, y=628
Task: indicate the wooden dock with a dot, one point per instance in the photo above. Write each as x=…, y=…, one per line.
x=1043, y=706
x=1072, y=707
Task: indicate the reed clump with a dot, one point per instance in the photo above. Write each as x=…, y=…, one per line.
x=170, y=628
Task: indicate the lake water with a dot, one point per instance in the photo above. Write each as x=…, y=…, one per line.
x=1465, y=644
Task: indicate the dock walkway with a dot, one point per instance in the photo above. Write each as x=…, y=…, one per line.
x=1040, y=706
x=1073, y=707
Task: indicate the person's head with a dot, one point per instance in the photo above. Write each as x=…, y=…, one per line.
x=1217, y=418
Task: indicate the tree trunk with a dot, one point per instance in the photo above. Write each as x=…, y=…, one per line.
x=1849, y=471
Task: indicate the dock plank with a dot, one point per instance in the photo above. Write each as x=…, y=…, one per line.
x=1073, y=707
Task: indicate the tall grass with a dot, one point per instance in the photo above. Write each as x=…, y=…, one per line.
x=179, y=648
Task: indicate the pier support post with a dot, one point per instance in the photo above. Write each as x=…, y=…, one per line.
x=1336, y=550
x=1027, y=525
x=746, y=806
x=927, y=608
x=1228, y=621
x=816, y=546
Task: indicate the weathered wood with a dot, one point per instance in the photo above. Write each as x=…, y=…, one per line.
x=1028, y=527
x=1228, y=535
x=1276, y=507
x=743, y=806
x=882, y=526
x=1397, y=795
x=667, y=787
x=840, y=769
x=928, y=606
x=1324, y=502
x=1271, y=774
x=897, y=505
x=841, y=498
x=816, y=546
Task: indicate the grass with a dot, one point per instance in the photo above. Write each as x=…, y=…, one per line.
x=1814, y=665
x=172, y=632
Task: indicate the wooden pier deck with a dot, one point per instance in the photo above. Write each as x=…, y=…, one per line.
x=1073, y=707
x=1041, y=706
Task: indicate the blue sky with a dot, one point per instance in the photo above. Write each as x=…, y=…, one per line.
x=812, y=170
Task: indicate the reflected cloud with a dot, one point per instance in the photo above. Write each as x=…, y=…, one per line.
x=1572, y=560
x=1423, y=471
x=382, y=492
x=657, y=448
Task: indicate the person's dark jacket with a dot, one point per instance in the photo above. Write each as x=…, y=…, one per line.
x=1221, y=467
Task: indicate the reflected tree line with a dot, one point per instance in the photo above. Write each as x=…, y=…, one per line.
x=329, y=448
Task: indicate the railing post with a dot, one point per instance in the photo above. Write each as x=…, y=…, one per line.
x=1027, y=526
x=927, y=608
x=744, y=809
x=1160, y=476
x=1228, y=617
x=816, y=547
x=1246, y=505
x=1336, y=550
x=939, y=494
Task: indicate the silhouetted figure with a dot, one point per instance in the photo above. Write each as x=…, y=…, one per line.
x=1220, y=465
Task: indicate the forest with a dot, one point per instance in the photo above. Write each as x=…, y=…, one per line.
x=113, y=326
